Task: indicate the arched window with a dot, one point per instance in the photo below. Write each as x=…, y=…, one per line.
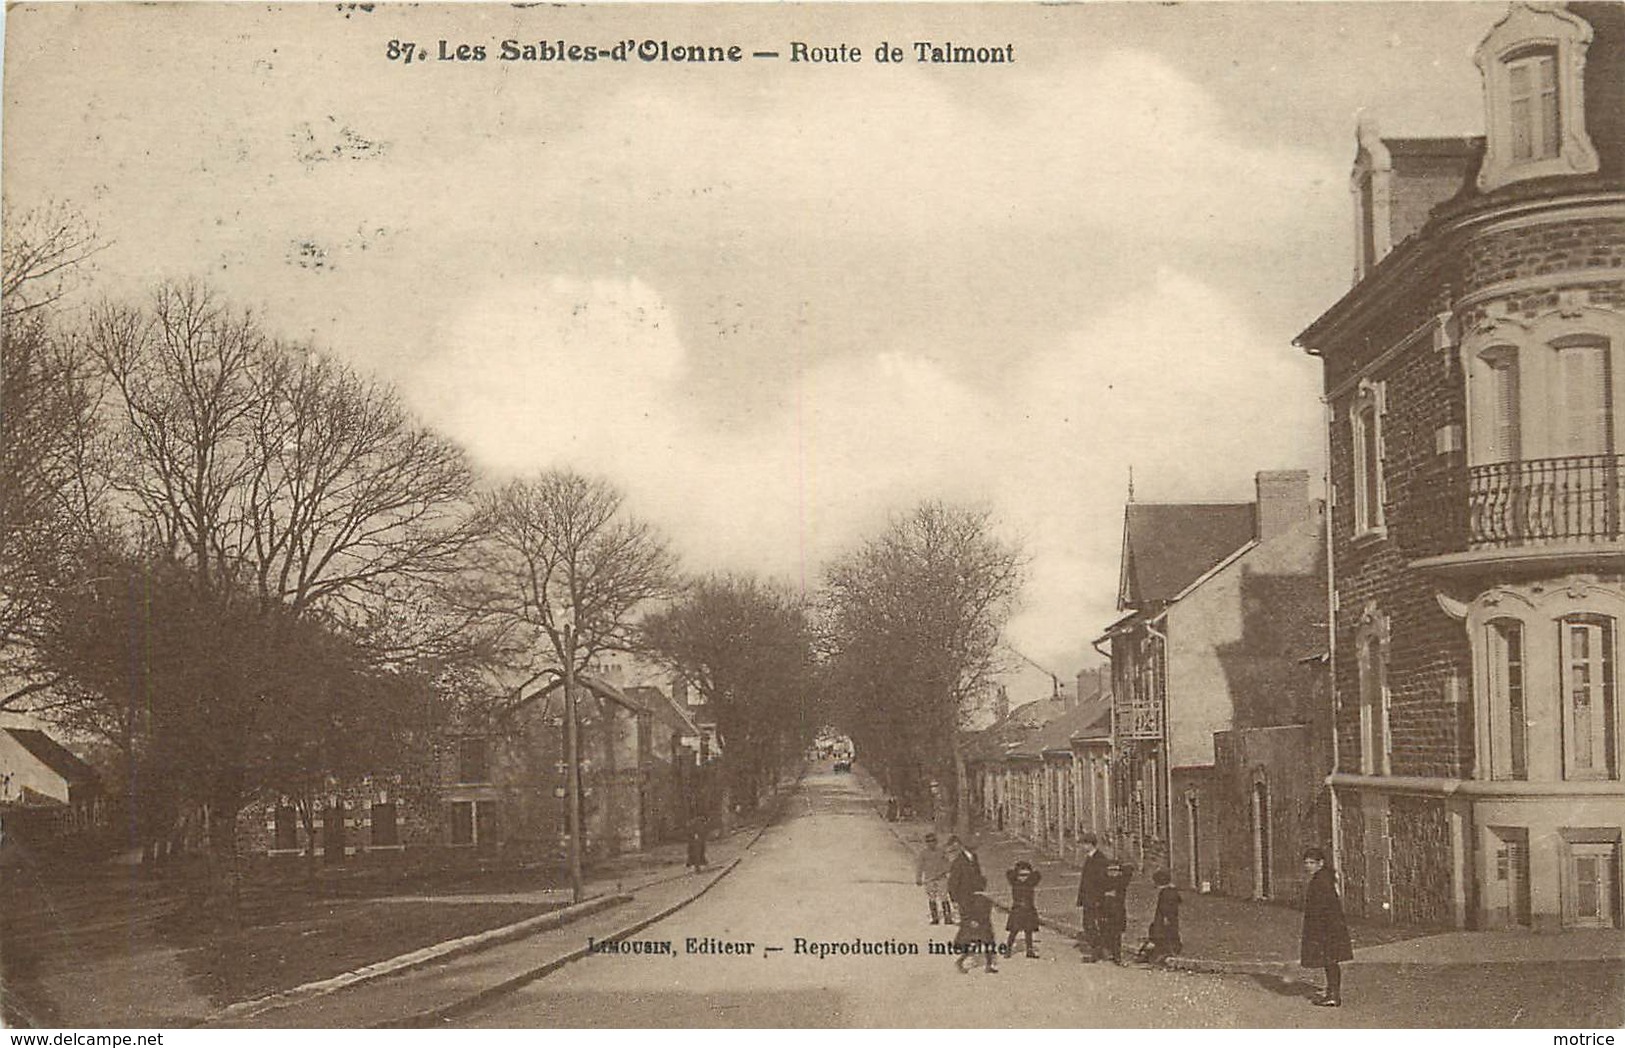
x=1365, y=430
x=1505, y=434
x=1371, y=654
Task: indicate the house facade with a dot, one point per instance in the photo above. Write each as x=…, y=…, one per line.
x=496, y=786
x=1473, y=379
x=1217, y=773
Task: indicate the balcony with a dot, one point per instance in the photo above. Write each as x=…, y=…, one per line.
x=1553, y=514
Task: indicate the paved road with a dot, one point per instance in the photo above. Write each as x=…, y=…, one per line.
x=831, y=871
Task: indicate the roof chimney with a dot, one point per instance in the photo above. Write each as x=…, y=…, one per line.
x=1283, y=501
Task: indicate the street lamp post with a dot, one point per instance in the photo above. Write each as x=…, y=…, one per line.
x=572, y=760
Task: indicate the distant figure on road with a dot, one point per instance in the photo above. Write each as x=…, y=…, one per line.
x=1325, y=932
x=696, y=843
x=931, y=870
x=1092, y=888
x=1023, y=906
x=964, y=874
x=1163, y=935
x=975, y=935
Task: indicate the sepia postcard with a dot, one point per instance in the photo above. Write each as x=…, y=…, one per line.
x=873, y=515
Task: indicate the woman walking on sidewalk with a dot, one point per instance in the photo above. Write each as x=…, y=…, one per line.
x=1325, y=932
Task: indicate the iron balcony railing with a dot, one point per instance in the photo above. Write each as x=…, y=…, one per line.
x=1544, y=501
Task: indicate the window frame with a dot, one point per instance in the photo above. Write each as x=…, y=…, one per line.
x=1365, y=414
x=1602, y=663
x=1371, y=647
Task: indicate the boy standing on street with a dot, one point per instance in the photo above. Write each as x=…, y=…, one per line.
x=1325, y=932
x=931, y=870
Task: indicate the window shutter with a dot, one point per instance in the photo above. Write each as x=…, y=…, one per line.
x=1587, y=399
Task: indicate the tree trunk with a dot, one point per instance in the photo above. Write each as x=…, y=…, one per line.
x=961, y=792
x=221, y=901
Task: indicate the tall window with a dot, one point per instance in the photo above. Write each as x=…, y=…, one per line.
x=1532, y=86
x=1509, y=740
x=1585, y=409
x=471, y=765
x=287, y=828
x=1365, y=421
x=1371, y=648
x=1590, y=732
x=1504, y=441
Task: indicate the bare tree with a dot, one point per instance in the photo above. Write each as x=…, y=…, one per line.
x=914, y=621
x=48, y=408
x=283, y=489
x=561, y=546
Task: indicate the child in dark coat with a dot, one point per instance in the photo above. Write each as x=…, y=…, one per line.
x=1164, y=931
x=1115, y=916
x=1023, y=907
x=1325, y=933
x=975, y=933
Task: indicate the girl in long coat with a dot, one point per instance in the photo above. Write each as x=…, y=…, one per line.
x=1023, y=907
x=1325, y=932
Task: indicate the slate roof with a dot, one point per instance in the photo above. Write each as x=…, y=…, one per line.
x=1167, y=546
x=51, y=753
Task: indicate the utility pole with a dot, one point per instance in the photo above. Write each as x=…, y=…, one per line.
x=572, y=758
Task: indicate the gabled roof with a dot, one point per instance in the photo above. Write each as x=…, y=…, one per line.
x=663, y=709
x=1167, y=546
x=50, y=753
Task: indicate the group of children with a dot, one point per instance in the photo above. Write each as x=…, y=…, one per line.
x=975, y=936
x=953, y=880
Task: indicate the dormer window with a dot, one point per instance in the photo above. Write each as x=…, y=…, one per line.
x=1533, y=63
x=1532, y=98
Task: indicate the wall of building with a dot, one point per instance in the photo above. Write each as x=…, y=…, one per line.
x=21, y=770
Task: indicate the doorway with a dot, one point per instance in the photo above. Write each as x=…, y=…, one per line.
x=1262, y=859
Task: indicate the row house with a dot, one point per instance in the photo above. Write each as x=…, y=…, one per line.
x=1472, y=381
x=1041, y=774
x=1218, y=762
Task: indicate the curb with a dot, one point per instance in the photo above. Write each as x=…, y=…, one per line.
x=417, y=958
x=434, y=1016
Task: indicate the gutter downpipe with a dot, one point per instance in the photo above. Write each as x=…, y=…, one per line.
x=1162, y=730
x=1331, y=641
x=1107, y=818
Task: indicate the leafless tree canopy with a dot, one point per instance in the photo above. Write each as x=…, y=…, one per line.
x=561, y=541
x=914, y=618
x=270, y=471
x=41, y=249
x=48, y=441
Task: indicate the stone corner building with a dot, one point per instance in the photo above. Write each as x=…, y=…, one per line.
x=1473, y=382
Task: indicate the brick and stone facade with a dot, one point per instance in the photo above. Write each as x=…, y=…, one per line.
x=1475, y=384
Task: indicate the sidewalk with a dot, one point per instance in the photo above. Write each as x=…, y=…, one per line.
x=1228, y=935
x=418, y=991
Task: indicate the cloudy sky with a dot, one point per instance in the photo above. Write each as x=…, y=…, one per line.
x=775, y=301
